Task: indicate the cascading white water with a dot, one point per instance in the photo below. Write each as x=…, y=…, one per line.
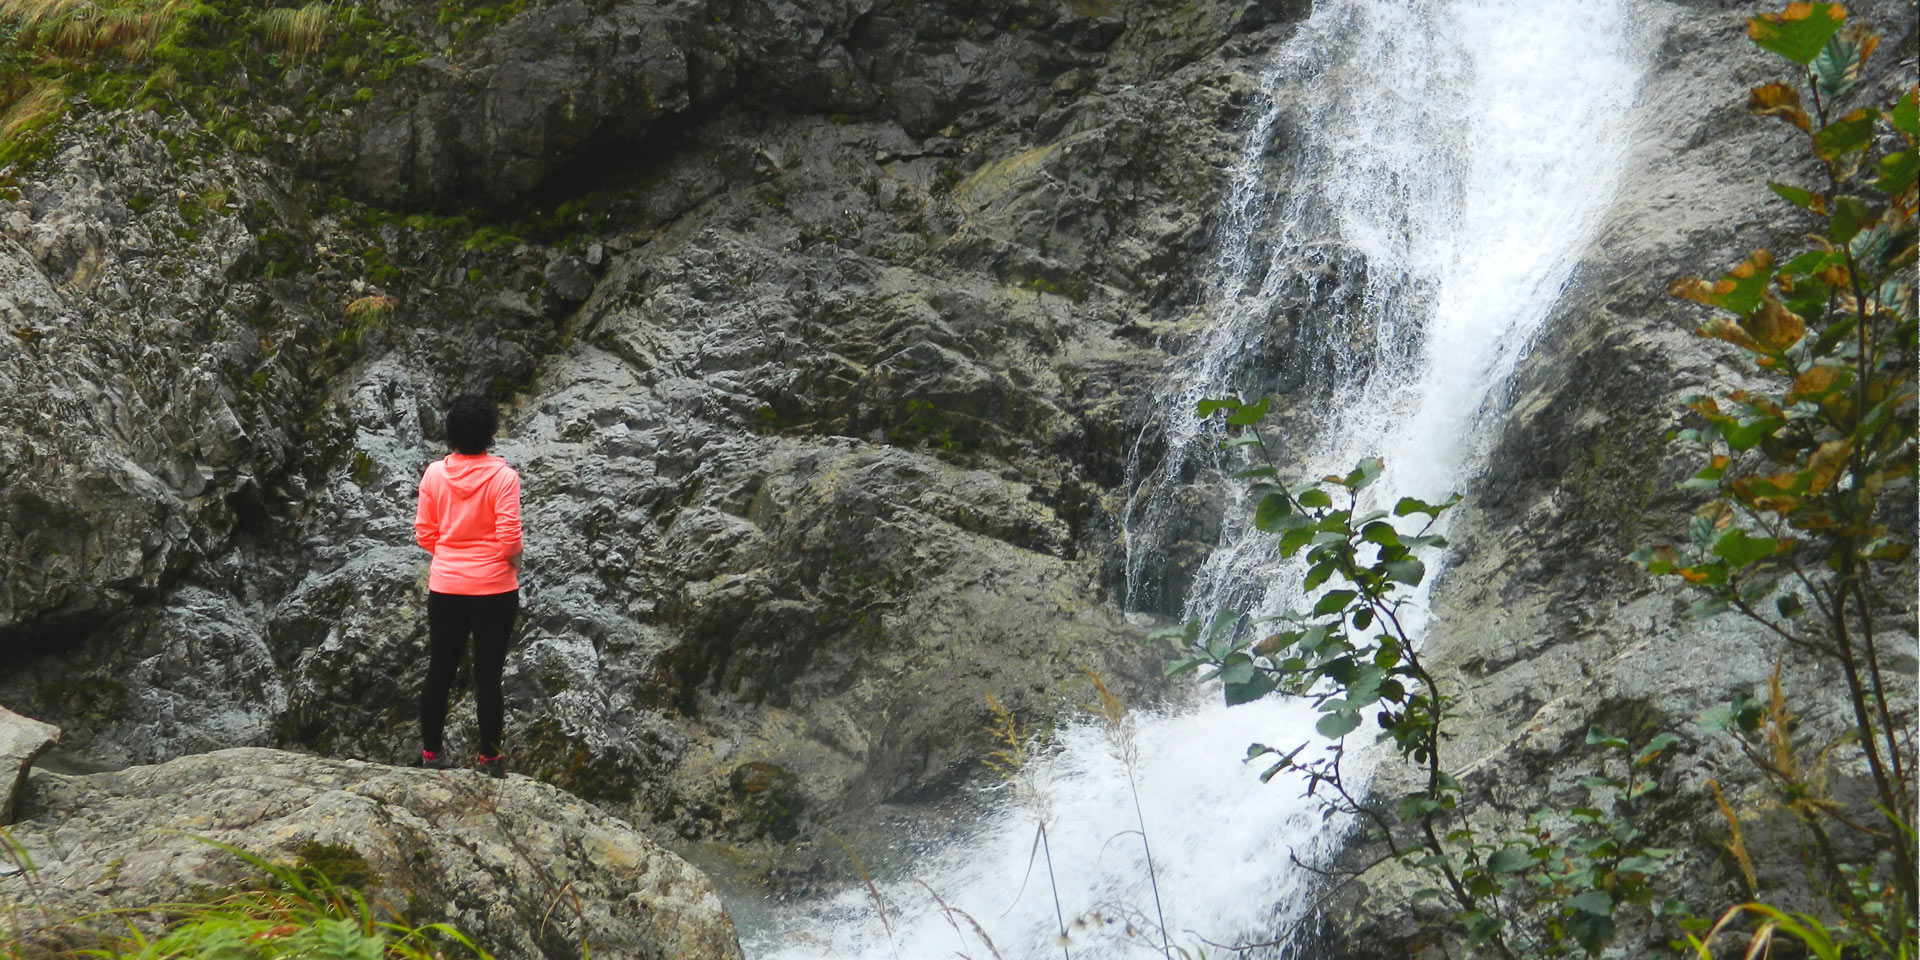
x=1452, y=158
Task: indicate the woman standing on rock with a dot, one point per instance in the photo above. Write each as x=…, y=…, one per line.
x=469, y=519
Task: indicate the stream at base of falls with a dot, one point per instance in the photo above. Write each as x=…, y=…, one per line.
x=1452, y=158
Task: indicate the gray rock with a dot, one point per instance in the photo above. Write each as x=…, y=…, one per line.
x=22, y=740
x=569, y=279
x=527, y=870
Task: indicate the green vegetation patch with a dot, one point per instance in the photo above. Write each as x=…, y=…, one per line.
x=214, y=59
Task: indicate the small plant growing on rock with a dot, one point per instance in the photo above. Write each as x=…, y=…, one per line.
x=1808, y=528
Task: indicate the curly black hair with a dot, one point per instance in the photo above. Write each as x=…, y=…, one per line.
x=471, y=421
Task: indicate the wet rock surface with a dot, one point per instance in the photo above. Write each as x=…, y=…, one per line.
x=495, y=858
x=823, y=330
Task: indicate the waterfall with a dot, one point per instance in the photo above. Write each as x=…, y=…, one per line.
x=1445, y=163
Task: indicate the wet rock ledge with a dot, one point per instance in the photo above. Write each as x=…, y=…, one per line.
x=526, y=869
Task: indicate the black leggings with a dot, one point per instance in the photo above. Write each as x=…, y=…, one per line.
x=451, y=618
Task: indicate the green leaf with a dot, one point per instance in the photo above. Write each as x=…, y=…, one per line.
x=1850, y=215
x=1273, y=507
x=1597, y=737
x=1746, y=436
x=1249, y=414
x=1257, y=473
x=1846, y=135
x=1509, y=860
x=1333, y=726
x=1253, y=688
x=1206, y=408
x=1237, y=669
x=1380, y=532
x=1906, y=117
x=1793, y=195
x=1897, y=171
x=1409, y=505
x=1644, y=866
x=1180, y=666
x=1333, y=601
x=1741, y=550
x=1593, y=931
x=1654, y=749
x=1364, y=473
x=1800, y=38
x=1315, y=497
x=1294, y=539
x=1317, y=575
x=1595, y=902
x=1248, y=439
x=1837, y=67
x=1409, y=572
x=1805, y=264
x=1745, y=291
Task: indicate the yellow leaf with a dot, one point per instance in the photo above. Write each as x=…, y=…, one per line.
x=1775, y=327
x=1760, y=260
x=1692, y=288
x=1825, y=464
x=1721, y=329
x=1779, y=100
x=1815, y=382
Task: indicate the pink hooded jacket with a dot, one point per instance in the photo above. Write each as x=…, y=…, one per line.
x=469, y=519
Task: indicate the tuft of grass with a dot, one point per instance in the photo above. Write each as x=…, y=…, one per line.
x=372, y=310
x=127, y=29
x=299, y=32
x=40, y=107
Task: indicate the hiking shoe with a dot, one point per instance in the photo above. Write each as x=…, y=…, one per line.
x=494, y=766
x=435, y=761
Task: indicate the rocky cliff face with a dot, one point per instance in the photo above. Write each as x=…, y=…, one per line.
x=824, y=328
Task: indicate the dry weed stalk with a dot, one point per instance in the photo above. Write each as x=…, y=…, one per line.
x=1014, y=762
x=1124, y=742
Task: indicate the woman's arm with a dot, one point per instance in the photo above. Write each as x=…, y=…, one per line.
x=426, y=514
x=506, y=519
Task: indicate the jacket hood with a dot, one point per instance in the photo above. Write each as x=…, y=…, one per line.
x=466, y=474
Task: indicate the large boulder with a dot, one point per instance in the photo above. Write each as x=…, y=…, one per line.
x=527, y=870
x=22, y=740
